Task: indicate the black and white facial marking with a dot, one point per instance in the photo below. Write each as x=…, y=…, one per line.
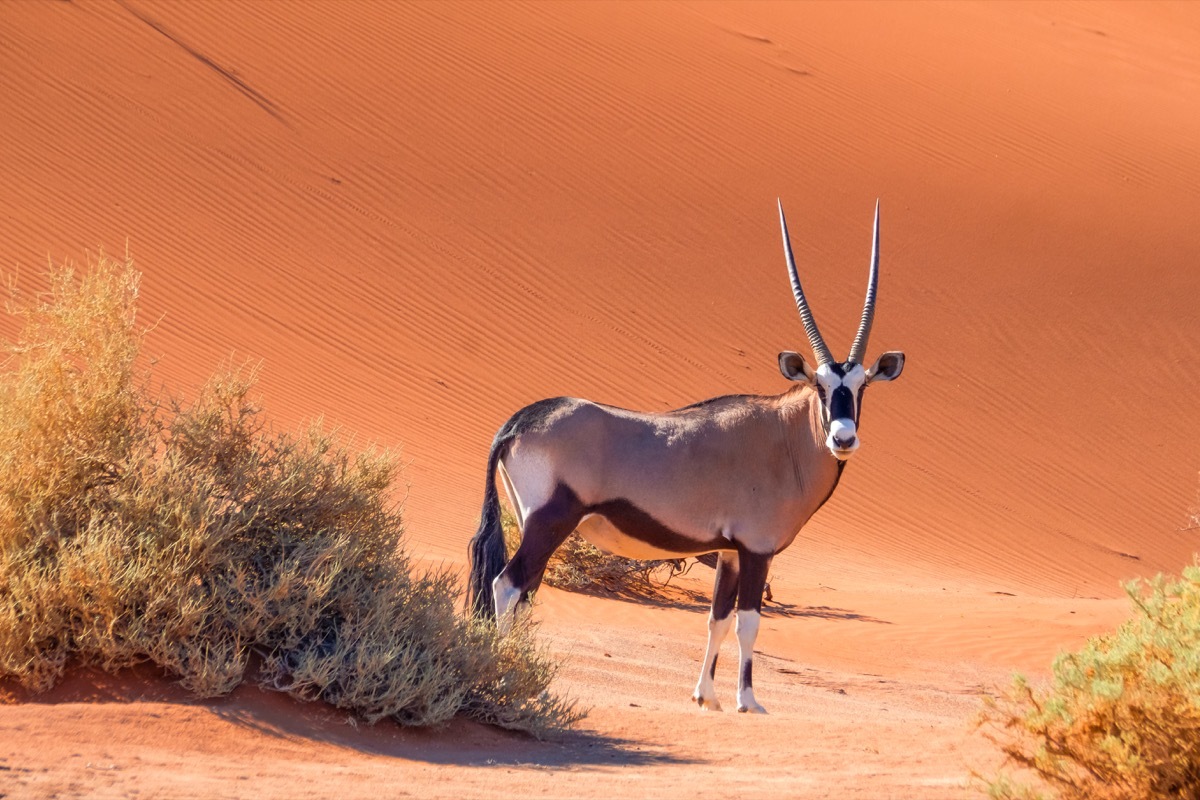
x=840, y=388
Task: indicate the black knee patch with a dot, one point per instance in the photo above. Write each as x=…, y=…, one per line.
x=725, y=590
x=751, y=580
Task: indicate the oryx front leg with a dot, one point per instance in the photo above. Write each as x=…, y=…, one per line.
x=719, y=620
x=752, y=577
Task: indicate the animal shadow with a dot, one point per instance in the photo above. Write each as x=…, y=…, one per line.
x=780, y=609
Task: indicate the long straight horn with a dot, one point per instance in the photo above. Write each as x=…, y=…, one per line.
x=859, y=349
x=820, y=349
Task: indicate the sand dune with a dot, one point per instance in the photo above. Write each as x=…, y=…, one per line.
x=421, y=217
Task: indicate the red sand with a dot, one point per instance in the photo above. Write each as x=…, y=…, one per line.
x=422, y=217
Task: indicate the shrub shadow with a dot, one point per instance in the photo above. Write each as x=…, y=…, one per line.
x=279, y=716
x=460, y=742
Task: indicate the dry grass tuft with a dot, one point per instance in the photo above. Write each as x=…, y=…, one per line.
x=1121, y=717
x=191, y=536
x=578, y=565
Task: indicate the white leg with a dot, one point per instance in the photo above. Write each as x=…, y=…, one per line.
x=747, y=631
x=706, y=694
x=506, y=596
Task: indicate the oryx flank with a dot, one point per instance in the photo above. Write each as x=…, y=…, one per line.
x=736, y=475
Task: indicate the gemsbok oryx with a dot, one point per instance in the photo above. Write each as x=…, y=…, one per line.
x=737, y=475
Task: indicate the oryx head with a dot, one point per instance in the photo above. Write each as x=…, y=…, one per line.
x=839, y=384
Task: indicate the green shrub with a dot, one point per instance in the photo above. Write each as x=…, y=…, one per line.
x=1121, y=717
x=191, y=536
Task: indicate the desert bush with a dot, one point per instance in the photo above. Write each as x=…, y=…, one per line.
x=192, y=536
x=1120, y=719
x=578, y=565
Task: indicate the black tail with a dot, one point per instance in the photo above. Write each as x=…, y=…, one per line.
x=487, y=550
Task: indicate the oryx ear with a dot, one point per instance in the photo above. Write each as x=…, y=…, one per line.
x=795, y=368
x=887, y=367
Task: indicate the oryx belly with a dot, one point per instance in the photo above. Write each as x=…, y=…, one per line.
x=606, y=536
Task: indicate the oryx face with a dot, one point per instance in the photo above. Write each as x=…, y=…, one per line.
x=840, y=387
x=839, y=384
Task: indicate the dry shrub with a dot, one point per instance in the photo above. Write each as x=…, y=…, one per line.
x=578, y=565
x=191, y=536
x=1121, y=717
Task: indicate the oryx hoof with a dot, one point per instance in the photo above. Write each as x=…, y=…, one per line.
x=707, y=703
x=754, y=709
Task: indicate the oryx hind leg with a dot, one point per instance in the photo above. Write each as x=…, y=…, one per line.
x=546, y=527
x=725, y=589
x=751, y=579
